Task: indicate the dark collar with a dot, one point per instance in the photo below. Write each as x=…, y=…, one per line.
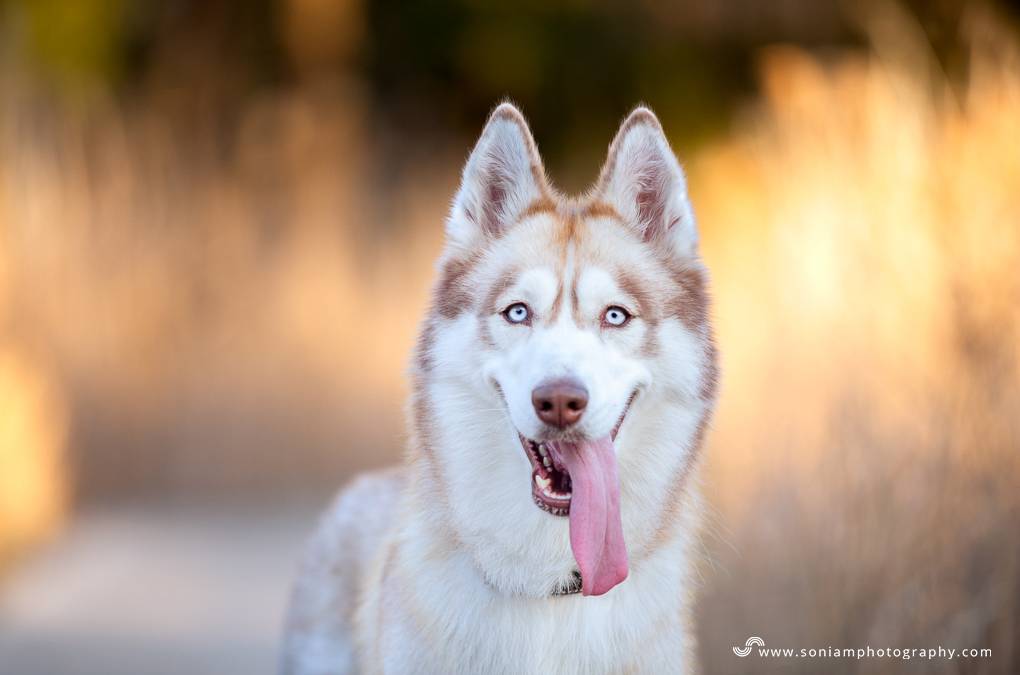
x=572, y=587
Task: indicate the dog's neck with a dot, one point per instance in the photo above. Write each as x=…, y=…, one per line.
x=433, y=555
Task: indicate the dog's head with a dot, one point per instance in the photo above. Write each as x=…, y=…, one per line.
x=567, y=366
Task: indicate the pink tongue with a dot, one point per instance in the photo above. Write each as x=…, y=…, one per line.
x=596, y=532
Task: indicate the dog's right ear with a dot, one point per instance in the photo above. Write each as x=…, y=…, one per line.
x=502, y=179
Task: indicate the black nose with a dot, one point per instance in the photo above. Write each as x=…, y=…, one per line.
x=561, y=402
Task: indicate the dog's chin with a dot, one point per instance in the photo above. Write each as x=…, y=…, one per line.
x=551, y=487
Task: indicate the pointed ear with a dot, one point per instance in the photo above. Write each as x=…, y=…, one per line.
x=503, y=177
x=643, y=181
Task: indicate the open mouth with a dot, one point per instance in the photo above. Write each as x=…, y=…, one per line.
x=551, y=487
x=550, y=480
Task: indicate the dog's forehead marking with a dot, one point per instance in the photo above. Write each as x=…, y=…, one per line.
x=576, y=230
x=603, y=248
x=547, y=242
x=566, y=274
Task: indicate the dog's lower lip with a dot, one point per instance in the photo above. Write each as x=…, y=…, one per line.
x=623, y=415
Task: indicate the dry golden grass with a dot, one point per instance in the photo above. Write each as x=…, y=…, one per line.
x=864, y=232
x=219, y=324
x=33, y=484
x=33, y=421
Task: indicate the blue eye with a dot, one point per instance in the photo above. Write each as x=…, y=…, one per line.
x=517, y=313
x=615, y=316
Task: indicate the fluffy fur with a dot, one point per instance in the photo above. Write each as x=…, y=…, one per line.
x=446, y=565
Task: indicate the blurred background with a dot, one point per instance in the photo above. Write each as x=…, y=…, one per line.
x=218, y=222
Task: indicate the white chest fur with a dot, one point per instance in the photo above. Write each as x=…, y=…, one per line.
x=430, y=612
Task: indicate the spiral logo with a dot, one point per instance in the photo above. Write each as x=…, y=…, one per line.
x=746, y=649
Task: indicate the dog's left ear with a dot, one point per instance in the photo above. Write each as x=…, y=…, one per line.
x=643, y=181
x=503, y=177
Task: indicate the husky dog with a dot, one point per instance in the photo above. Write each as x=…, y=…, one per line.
x=545, y=517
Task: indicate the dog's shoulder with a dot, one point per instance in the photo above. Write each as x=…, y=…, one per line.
x=335, y=561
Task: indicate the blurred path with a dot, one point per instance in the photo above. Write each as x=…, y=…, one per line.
x=143, y=591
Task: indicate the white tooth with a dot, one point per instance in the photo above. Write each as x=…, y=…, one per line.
x=542, y=451
x=542, y=483
x=545, y=460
